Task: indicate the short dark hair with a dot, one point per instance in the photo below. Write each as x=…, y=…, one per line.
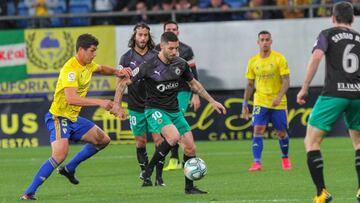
x=85, y=41
x=150, y=44
x=343, y=12
x=264, y=32
x=171, y=22
x=169, y=37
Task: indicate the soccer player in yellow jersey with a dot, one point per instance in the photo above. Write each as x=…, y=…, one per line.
x=267, y=73
x=63, y=120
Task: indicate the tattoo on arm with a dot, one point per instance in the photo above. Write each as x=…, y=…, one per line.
x=200, y=90
x=249, y=89
x=285, y=79
x=120, y=88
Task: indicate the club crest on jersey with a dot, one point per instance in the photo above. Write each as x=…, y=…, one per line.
x=177, y=71
x=159, y=121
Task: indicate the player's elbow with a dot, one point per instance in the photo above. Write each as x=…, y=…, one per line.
x=70, y=100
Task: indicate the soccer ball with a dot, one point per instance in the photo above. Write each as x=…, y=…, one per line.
x=195, y=168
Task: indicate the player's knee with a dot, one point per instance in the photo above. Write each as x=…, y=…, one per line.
x=140, y=143
x=59, y=157
x=259, y=130
x=157, y=140
x=281, y=134
x=190, y=149
x=173, y=139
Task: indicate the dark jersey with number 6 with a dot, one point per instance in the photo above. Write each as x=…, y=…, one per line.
x=162, y=82
x=342, y=53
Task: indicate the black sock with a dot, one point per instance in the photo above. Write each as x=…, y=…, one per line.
x=161, y=151
x=159, y=167
x=315, y=164
x=188, y=183
x=142, y=158
x=357, y=165
x=175, y=152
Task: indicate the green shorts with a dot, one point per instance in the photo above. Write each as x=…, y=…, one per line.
x=327, y=110
x=183, y=98
x=138, y=123
x=158, y=118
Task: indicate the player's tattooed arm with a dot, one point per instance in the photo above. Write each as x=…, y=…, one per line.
x=121, y=85
x=197, y=87
x=249, y=90
x=285, y=80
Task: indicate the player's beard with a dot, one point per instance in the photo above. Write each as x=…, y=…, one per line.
x=140, y=45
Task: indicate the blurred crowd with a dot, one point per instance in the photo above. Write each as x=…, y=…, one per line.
x=190, y=11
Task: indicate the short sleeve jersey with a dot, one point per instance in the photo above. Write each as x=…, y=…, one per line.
x=162, y=82
x=342, y=54
x=136, y=90
x=267, y=74
x=185, y=52
x=73, y=74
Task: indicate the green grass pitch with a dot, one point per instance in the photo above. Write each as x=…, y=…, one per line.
x=112, y=175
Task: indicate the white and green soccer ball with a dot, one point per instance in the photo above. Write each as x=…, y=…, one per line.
x=195, y=168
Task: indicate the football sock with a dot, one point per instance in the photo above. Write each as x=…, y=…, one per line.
x=284, y=146
x=88, y=151
x=175, y=152
x=142, y=157
x=159, y=167
x=188, y=183
x=43, y=173
x=257, y=147
x=315, y=164
x=161, y=151
x=357, y=165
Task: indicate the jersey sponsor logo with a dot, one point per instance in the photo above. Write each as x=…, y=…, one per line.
x=71, y=77
x=348, y=87
x=163, y=87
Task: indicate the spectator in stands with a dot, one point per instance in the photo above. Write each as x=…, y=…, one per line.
x=216, y=5
x=104, y=6
x=293, y=12
x=141, y=9
x=324, y=11
x=256, y=14
x=184, y=5
x=165, y=5
x=356, y=4
x=38, y=8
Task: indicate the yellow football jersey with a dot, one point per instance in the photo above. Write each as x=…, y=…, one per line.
x=267, y=74
x=73, y=74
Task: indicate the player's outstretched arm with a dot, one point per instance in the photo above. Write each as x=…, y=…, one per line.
x=285, y=80
x=106, y=70
x=310, y=73
x=249, y=90
x=197, y=87
x=74, y=99
x=121, y=84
